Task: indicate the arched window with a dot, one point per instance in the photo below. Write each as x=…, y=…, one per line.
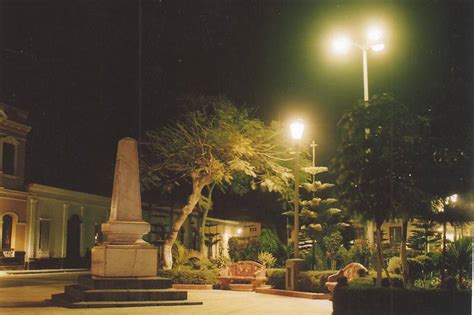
x=7, y=228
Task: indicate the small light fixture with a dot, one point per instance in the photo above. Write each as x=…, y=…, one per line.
x=239, y=231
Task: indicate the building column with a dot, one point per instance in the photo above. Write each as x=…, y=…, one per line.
x=82, y=250
x=64, y=230
x=32, y=224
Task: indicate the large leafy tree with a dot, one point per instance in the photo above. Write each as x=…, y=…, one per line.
x=213, y=144
x=377, y=167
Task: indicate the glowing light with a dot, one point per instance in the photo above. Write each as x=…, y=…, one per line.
x=297, y=129
x=453, y=198
x=378, y=47
x=341, y=45
x=239, y=231
x=374, y=35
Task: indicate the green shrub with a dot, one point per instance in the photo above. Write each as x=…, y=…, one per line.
x=309, y=281
x=427, y=263
x=266, y=259
x=235, y=248
x=190, y=276
x=361, y=254
x=352, y=300
x=269, y=242
x=395, y=265
x=415, y=269
x=343, y=257
x=220, y=262
x=240, y=250
x=314, y=281
x=277, y=278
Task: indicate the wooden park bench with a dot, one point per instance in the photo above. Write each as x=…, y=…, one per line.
x=243, y=272
x=351, y=271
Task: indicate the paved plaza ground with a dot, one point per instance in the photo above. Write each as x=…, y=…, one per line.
x=26, y=294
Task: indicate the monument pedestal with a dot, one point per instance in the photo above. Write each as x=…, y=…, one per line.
x=100, y=292
x=124, y=260
x=124, y=267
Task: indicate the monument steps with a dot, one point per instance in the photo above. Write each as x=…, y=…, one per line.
x=93, y=282
x=78, y=293
x=62, y=299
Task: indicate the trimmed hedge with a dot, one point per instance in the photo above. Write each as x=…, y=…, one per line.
x=190, y=276
x=352, y=300
x=309, y=281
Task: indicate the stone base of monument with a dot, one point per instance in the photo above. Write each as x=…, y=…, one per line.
x=98, y=292
x=124, y=260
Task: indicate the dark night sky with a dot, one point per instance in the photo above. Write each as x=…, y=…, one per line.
x=74, y=65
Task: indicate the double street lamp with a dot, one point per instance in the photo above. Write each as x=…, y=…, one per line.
x=374, y=41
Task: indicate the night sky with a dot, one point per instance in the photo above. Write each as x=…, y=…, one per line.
x=76, y=67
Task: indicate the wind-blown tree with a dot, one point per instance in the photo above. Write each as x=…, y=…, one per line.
x=210, y=145
x=377, y=167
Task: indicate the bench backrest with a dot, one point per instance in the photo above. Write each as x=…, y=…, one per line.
x=245, y=268
x=350, y=271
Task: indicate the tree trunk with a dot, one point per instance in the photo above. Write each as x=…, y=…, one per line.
x=380, y=263
x=193, y=199
x=206, y=208
x=403, y=255
x=443, y=256
x=202, y=236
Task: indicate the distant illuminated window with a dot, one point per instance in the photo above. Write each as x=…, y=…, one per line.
x=8, y=158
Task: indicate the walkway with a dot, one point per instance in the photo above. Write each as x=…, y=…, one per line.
x=25, y=294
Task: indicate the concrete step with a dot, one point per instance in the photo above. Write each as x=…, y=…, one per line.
x=62, y=300
x=78, y=293
x=93, y=282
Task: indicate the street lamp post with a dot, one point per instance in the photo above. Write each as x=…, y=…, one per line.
x=296, y=128
x=294, y=265
x=374, y=41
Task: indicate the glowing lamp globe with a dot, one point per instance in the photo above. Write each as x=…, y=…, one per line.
x=341, y=45
x=297, y=129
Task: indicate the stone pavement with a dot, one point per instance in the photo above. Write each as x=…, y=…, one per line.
x=29, y=298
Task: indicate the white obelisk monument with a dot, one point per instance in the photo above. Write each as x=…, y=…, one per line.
x=124, y=253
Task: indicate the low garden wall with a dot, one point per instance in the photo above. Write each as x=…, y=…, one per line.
x=393, y=301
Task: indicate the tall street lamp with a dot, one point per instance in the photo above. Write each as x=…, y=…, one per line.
x=296, y=128
x=374, y=41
